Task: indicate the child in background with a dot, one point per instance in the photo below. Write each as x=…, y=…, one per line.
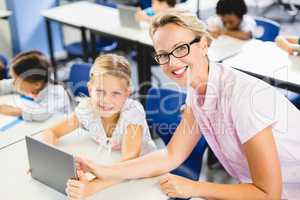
x=2, y=67
x=158, y=6
x=232, y=20
x=110, y=117
x=30, y=77
x=2, y=70
x=290, y=44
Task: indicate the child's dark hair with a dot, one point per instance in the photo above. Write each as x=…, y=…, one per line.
x=229, y=7
x=170, y=3
x=31, y=66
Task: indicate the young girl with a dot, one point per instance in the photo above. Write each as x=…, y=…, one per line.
x=252, y=129
x=157, y=7
x=232, y=20
x=290, y=44
x=31, y=77
x=109, y=116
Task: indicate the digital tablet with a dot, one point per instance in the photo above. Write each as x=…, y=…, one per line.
x=50, y=165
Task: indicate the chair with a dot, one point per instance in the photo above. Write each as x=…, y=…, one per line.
x=291, y=7
x=267, y=29
x=79, y=76
x=163, y=113
x=4, y=71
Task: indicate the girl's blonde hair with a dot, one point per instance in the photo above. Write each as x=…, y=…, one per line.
x=182, y=18
x=112, y=64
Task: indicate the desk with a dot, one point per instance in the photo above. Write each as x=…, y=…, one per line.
x=18, y=185
x=18, y=131
x=266, y=61
x=103, y=20
x=4, y=14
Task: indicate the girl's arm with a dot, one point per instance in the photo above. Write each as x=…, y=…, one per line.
x=64, y=127
x=262, y=157
x=131, y=148
x=242, y=35
x=10, y=110
x=179, y=148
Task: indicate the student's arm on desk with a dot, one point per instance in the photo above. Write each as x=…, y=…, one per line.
x=159, y=162
x=64, y=127
x=10, y=110
x=131, y=148
x=242, y=35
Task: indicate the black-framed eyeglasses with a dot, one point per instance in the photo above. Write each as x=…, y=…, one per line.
x=178, y=52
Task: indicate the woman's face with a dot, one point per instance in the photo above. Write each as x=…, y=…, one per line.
x=108, y=94
x=188, y=69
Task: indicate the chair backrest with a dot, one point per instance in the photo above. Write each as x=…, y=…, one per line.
x=79, y=76
x=163, y=113
x=267, y=29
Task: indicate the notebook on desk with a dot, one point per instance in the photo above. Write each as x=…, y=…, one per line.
x=49, y=165
x=224, y=47
x=127, y=16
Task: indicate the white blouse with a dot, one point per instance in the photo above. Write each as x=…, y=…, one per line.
x=132, y=113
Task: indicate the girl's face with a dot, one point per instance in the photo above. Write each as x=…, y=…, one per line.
x=25, y=87
x=231, y=22
x=108, y=94
x=190, y=69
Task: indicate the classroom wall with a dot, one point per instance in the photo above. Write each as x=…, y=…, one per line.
x=5, y=39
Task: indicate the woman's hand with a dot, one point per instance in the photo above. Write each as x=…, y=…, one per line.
x=77, y=189
x=89, y=166
x=178, y=187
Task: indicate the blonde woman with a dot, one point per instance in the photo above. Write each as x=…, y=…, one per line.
x=251, y=128
x=110, y=117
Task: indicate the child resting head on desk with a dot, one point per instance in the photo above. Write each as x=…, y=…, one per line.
x=290, y=44
x=232, y=20
x=110, y=117
x=157, y=7
x=31, y=77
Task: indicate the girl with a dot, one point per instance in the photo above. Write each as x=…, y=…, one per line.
x=232, y=20
x=251, y=128
x=157, y=7
x=30, y=77
x=109, y=116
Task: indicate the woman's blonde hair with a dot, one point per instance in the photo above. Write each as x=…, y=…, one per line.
x=112, y=64
x=182, y=18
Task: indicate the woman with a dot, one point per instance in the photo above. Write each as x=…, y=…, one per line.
x=244, y=120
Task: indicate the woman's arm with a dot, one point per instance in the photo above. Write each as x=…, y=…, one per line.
x=261, y=154
x=181, y=145
x=64, y=127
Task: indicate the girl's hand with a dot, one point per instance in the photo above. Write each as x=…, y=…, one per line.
x=178, y=187
x=77, y=189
